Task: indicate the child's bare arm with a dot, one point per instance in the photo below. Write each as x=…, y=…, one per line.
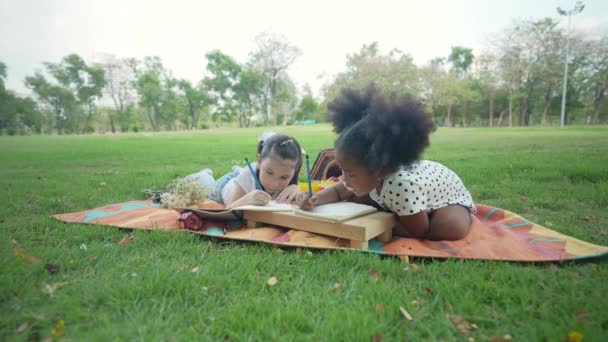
x=413, y=226
x=239, y=198
x=336, y=193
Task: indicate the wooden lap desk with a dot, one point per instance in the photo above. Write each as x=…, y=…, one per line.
x=358, y=230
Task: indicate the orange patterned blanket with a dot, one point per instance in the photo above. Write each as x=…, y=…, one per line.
x=496, y=234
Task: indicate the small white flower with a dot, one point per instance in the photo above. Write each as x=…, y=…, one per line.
x=182, y=192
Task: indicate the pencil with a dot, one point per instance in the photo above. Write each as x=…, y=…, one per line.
x=308, y=175
x=255, y=176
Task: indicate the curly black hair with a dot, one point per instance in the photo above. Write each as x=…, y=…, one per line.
x=382, y=132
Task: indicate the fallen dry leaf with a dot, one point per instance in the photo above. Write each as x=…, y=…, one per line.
x=574, y=336
x=378, y=337
x=428, y=290
x=50, y=289
x=30, y=259
x=524, y=199
x=335, y=287
x=379, y=308
x=58, y=330
x=102, y=184
x=505, y=338
x=581, y=316
x=462, y=325
x=406, y=314
x=23, y=326
x=93, y=257
x=125, y=240
x=51, y=268
x=272, y=281
x=375, y=274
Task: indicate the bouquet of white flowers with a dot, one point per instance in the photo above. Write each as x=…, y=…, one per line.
x=181, y=193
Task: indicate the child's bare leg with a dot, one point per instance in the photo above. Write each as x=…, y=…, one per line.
x=449, y=223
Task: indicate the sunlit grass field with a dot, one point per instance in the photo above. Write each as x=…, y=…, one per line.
x=177, y=287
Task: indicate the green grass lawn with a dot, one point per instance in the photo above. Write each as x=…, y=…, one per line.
x=177, y=286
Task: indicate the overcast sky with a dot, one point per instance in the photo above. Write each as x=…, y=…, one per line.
x=181, y=32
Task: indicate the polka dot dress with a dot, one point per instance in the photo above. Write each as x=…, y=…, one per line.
x=422, y=186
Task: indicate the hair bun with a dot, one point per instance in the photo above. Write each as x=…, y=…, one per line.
x=351, y=107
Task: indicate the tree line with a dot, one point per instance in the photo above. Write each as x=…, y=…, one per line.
x=515, y=81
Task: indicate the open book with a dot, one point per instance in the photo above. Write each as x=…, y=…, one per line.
x=221, y=213
x=332, y=212
x=271, y=206
x=337, y=212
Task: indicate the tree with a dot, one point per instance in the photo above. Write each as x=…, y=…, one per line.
x=509, y=52
x=119, y=87
x=307, y=108
x=17, y=113
x=272, y=57
x=462, y=85
x=529, y=59
x=249, y=93
x=2, y=75
x=285, y=100
x=392, y=72
x=196, y=99
x=87, y=82
x=449, y=98
x=545, y=46
x=432, y=85
x=60, y=99
x=225, y=75
x=460, y=58
x=593, y=75
x=153, y=83
x=172, y=105
x=488, y=81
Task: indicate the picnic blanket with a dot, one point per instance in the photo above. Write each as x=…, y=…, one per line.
x=496, y=234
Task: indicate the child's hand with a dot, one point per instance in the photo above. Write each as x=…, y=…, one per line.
x=257, y=197
x=306, y=203
x=289, y=194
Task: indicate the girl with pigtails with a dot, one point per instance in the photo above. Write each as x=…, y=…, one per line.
x=274, y=175
x=381, y=139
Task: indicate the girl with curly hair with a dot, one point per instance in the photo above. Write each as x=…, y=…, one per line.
x=378, y=149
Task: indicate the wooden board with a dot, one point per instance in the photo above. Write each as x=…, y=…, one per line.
x=358, y=230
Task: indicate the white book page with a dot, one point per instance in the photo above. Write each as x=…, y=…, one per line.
x=338, y=212
x=271, y=206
